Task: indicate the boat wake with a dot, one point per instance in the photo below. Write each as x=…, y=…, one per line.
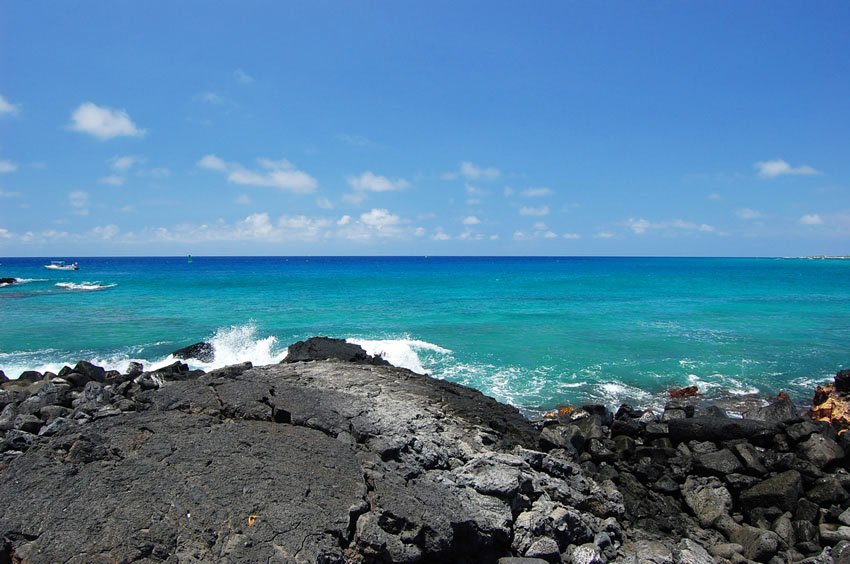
x=84, y=286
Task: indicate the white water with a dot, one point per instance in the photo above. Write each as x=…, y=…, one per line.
x=84, y=286
x=404, y=353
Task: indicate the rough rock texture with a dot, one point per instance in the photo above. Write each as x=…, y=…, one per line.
x=332, y=461
x=316, y=462
x=325, y=348
x=203, y=351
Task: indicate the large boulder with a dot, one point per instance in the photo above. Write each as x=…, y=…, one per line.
x=203, y=351
x=719, y=429
x=326, y=348
x=779, y=491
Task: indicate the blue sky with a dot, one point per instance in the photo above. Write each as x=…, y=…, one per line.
x=439, y=128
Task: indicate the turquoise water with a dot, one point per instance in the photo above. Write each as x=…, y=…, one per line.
x=535, y=332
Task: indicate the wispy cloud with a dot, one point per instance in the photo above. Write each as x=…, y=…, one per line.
x=280, y=174
x=7, y=108
x=125, y=162
x=641, y=226
x=209, y=98
x=7, y=166
x=534, y=211
x=811, y=219
x=472, y=171
x=104, y=123
x=370, y=182
x=778, y=167
x=748, y=213
x=113, y=180
x=79, y=201
x=355, y=140
x=536, y=192
x=242, y=77
x=471, y=220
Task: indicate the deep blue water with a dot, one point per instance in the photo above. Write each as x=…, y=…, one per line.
x=535, y=332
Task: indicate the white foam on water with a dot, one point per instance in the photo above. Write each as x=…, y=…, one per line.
x=404, y=353
x=28, y=280
x=84, y=286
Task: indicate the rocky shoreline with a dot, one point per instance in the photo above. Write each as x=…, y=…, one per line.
x=335, y=456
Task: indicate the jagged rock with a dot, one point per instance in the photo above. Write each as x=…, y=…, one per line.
x=821, y=451
x=721, y=462
x=255, y=463
x=726, y=550
x=545, y=549
x=842, y=381
x=203, y=351
x=707, y=499
x=693, y=553
x=719, y=429
x=30, y=376
x=500, y=475
x=779, y=491
x=826, y=491
x=832, y=534
x=326, y=348
x=547, y=519
x=92, y=372
x=585, y=554
x=778, y=411
x=568, y=437
x=750, y=457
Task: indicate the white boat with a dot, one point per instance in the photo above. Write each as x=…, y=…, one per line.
x=60, y=265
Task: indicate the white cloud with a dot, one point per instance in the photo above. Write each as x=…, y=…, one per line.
x=113, y=180
x=212, y=162
x=474, y=190
x=605, y=235
x=8, y=166
x=811, y=219
x=440, y=235
x=778, y=167
x=536, y=192
x=379, y=218
x=124, y=163
x=354, y=198
x=6, y=194
x=79, y=200
x=344, y=220
x=471, y=220
x=641, y=226
x=471, y=171
x=324, y=203
x=243, y=200
x=714, y=197
x=7, y=108
x=276, y=174
x=5, y=233
x=210, y=98
x=550, y=235
x=748, y=213
x=106, y=231
x=242, y=77
x=530, y=211
x=370, y=182
x=571, y=236
x=103, y=123
x=508, y=191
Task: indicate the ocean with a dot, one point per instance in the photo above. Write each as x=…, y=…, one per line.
x=532, y=332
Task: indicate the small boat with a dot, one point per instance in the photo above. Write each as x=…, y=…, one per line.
x=60, y=265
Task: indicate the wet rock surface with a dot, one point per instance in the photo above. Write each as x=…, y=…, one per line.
x=352, y=461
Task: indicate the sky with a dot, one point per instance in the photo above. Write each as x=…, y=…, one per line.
x=687, y=128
